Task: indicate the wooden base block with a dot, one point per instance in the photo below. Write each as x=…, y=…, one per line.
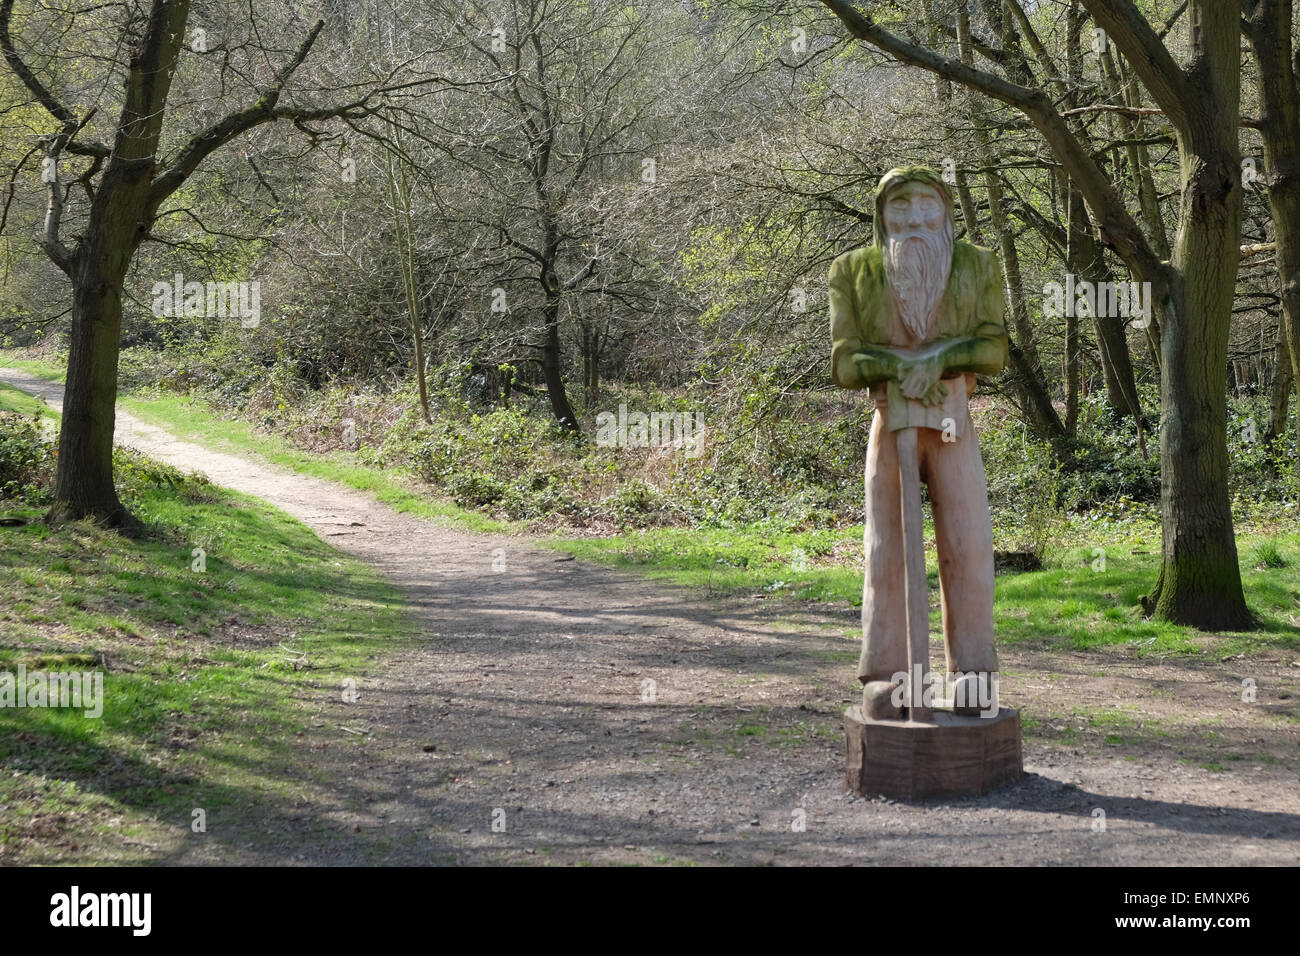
x=951, y=757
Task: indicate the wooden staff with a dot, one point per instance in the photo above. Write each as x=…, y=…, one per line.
x=918, y=603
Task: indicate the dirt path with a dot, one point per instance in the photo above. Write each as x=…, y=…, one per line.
x=526, y=703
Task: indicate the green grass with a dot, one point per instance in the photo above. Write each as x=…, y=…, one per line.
x=802, y=565
x=1075, y=605
x=12, y=400
x=39, y=367
x=207, y=676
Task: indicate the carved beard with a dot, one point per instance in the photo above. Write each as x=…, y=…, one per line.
x=917, y=265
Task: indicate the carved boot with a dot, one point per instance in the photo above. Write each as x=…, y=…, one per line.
x=878, y=701
x=974, y=694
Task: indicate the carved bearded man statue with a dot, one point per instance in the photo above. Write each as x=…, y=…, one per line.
x=917, y=315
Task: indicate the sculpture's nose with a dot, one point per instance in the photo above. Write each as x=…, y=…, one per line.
x=914, y=217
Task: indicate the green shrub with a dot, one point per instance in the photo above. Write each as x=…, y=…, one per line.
x=26, y=461
x=476, y=489
x=133, y=474
x=634, y=497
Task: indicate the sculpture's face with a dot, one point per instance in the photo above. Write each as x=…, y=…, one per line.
x=917, y=254
x=914, y=208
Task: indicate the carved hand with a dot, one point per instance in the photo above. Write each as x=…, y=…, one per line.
x=935, y=395
x=920, y=380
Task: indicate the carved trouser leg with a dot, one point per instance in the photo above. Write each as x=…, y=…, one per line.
x=954, y=474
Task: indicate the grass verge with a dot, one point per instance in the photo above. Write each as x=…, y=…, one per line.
x=1089, y=598
x=212, y=662
x=193, y=420
x=13, y=400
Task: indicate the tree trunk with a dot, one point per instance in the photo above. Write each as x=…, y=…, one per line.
x=1074, y=224
x=1072, y=356
x=84, y=481
x=1284, y=197
x=1269, y=26
x=943, y=91
x=399, y=196
x=1086, y=260
x=591, y=346
x=1200, y=580
x=420, y=382
x=1085, y=257
x=552, y=372
x=1280, y=393
x=1116, y=366
x=1036, y=404
x=117, y=224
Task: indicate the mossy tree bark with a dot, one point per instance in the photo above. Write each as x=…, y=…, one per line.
x=1268, y=25
x=1200, y=580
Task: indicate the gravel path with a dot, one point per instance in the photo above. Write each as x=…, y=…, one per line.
x=554, y=712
